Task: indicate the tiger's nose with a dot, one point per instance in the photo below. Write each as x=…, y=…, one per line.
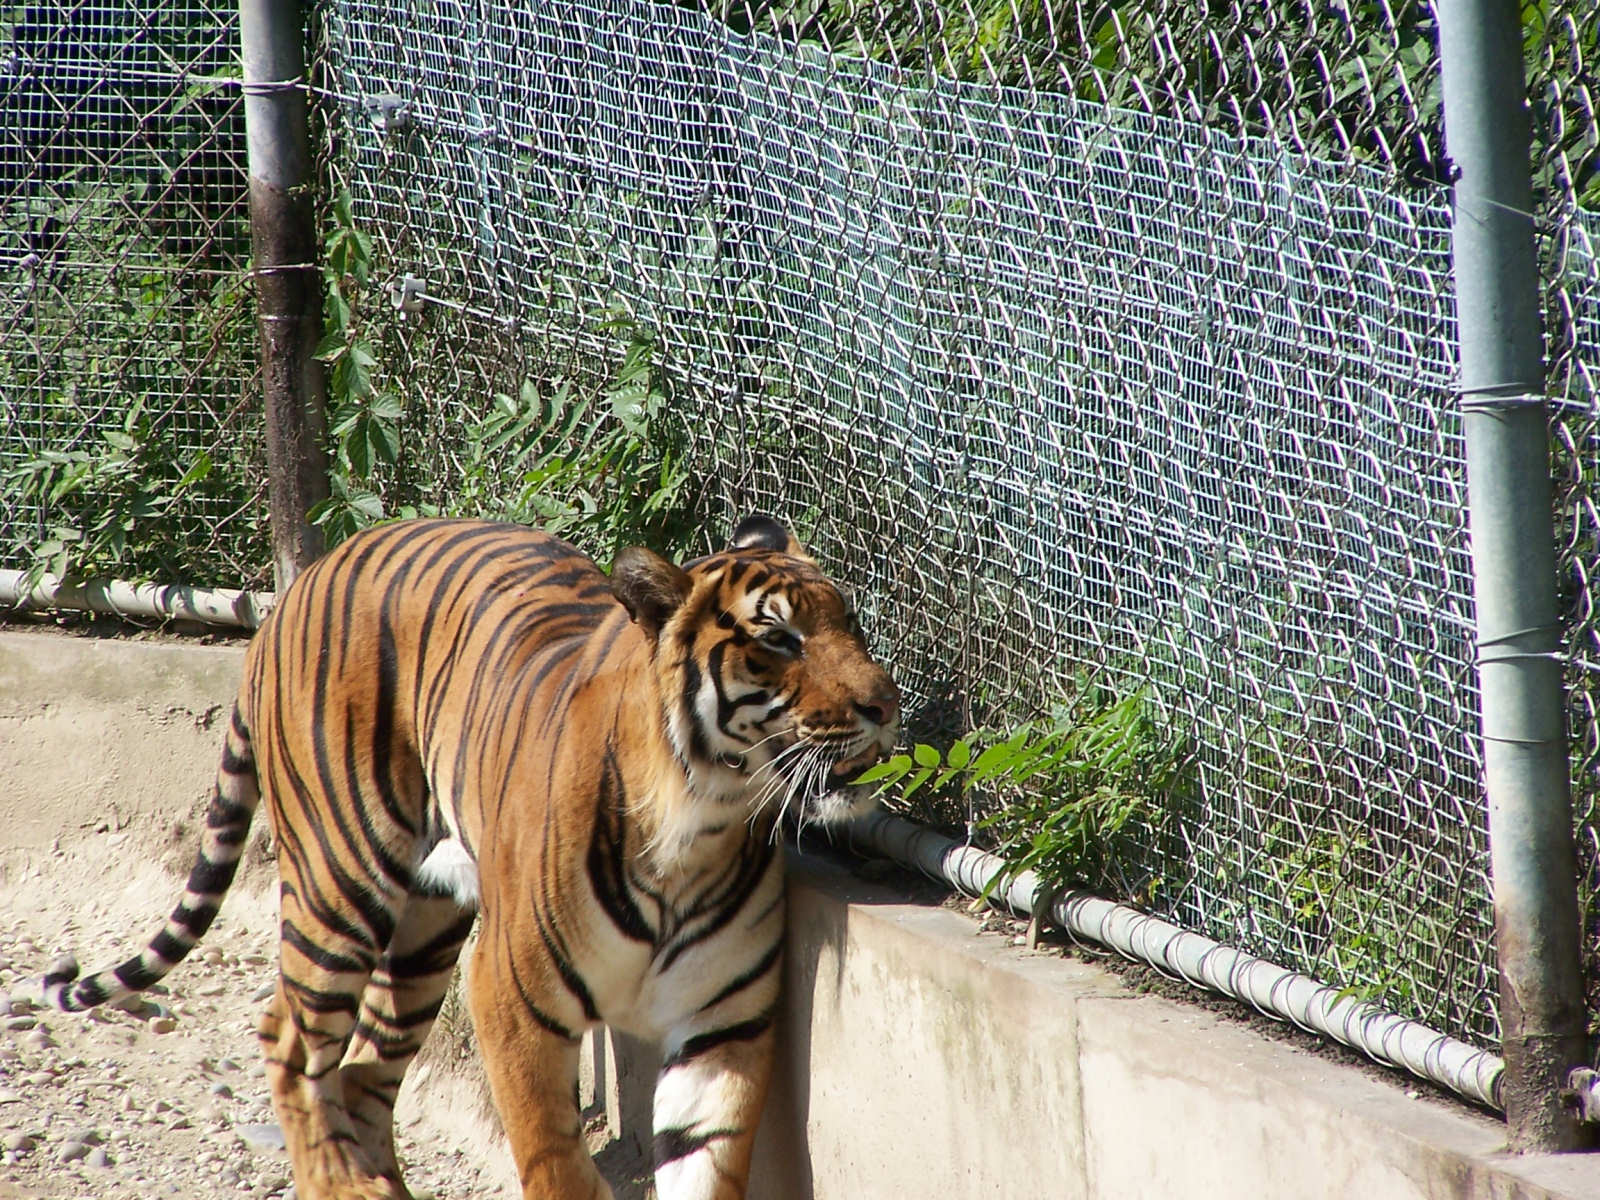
x=883, y=707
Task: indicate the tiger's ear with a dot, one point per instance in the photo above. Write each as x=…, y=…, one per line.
x=650, y=587
x=760, y=532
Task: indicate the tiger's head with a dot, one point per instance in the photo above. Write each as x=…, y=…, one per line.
x=769, y=691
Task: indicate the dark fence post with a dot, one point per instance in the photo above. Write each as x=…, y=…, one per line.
x=283, y=240
x=1519, y=632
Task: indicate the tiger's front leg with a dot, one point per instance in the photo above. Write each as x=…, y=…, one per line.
x=708, y=1101
x=528, y=1040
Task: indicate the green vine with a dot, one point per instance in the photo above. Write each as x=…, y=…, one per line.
x=364, y=420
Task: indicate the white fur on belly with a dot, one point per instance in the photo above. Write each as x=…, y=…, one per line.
x=449, y=868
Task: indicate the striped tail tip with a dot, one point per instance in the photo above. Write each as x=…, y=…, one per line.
x=57, y=980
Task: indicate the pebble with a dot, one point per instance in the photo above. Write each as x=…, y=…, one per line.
x=72, y=1152
x=264, y=992
x=8, y=1096
x=223, y=1090
x=39, y=1039
x=19, y=1142
x=99, y=1158
x=19, y=1023
x=261, y=1137
x=162, y=1024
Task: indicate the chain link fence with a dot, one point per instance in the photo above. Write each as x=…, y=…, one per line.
x=1084, y=342
x=127, y=343
x=1111, y=341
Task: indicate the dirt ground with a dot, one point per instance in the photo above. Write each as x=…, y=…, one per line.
x=171, y=1100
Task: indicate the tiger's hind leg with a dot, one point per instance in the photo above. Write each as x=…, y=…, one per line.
x=326, y=957
x=397, y=1010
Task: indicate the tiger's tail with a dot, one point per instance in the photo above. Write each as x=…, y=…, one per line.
x=222, y=843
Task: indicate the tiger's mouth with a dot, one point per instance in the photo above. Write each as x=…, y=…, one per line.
x=838, y=799
x=846, y=769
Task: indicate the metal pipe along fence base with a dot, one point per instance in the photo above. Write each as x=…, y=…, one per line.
x=1383, y=1036
x=219, y=606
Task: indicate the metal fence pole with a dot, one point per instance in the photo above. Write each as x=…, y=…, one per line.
x=1508, y=480
x=288, y=282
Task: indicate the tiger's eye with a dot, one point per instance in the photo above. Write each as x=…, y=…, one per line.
x=782, y=641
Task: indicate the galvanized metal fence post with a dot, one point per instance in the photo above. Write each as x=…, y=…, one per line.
x=1508, y=480
x=288, y=282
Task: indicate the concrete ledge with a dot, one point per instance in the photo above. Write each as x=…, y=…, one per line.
x=918, y=1059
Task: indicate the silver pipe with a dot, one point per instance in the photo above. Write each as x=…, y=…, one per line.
x=218, y=606
x=1520, y=661
x=1382, y=1036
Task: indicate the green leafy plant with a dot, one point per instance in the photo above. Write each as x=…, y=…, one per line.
x=108, y=502
x=1062, y=793
x=364, y=420
x=605, y=471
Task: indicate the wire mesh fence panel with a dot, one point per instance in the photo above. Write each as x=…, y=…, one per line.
x=1093, y=346
x=1573, y=315
x=126, y=330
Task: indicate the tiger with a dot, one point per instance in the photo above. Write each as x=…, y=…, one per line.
x=463, y=721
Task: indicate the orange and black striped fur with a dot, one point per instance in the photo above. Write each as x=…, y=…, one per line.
x=447, y=716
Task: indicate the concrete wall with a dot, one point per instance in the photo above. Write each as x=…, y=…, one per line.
x=100, y=733
x=918, y=1059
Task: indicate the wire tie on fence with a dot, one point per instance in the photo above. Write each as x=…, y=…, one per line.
x=1552, y=629
x=272, y=87
x=1499, y=398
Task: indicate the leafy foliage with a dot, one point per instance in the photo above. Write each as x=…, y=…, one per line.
x=597, y=460
x=1066, y=791
x=114, y=348
x=604, y=473
x=364, y=422
x=109, y=502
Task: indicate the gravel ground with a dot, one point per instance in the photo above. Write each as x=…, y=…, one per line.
x=171, y=1099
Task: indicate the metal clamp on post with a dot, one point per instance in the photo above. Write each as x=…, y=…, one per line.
x=1583, y=1094
x=390, y=112
x=272, y=87
x=1500, y=398
x=406, y=294
x=1539, y=631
